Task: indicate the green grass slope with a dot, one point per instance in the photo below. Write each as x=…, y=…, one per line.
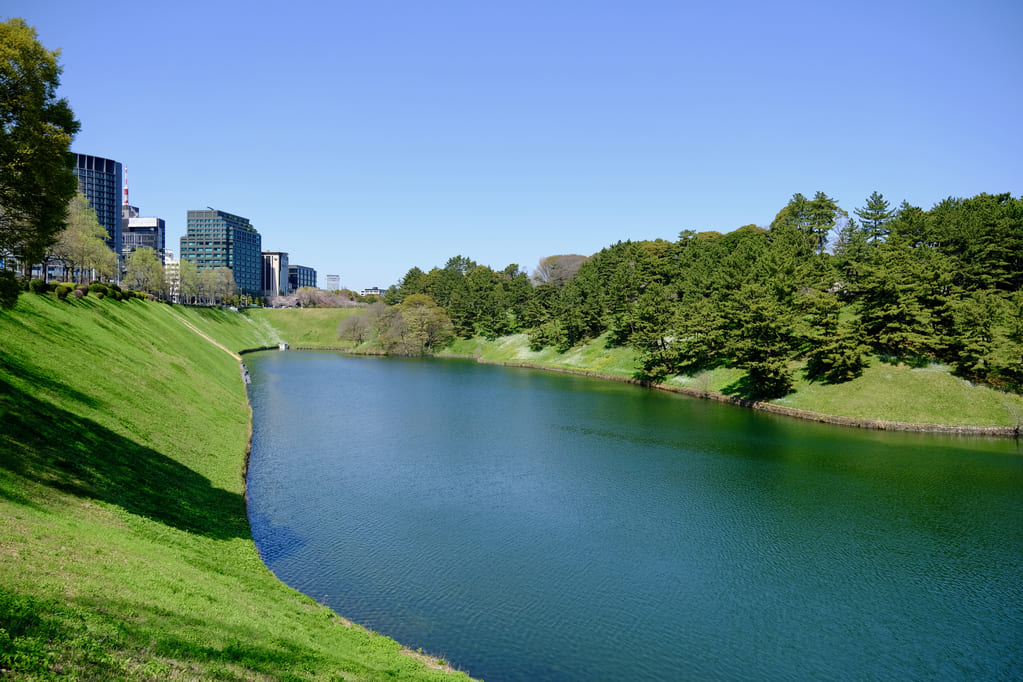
x=125, y=551
x=303, y=327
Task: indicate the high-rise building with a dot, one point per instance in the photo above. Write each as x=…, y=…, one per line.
x=275, y=273
x=100, y=181
x=218, y=239
x=300, y=276
x=150, y=233
x=333, y=282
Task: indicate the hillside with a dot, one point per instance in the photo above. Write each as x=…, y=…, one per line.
x=125, y=551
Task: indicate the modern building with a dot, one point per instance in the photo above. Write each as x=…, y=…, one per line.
x=373, y=291
x=100, y=180
x=150, y=233
x=172, y=275
x=300, y=276
x=333, y=282
x=218, y=239
x=275, y=274
x=139, y=232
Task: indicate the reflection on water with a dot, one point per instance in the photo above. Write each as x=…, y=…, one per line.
x=540, y=526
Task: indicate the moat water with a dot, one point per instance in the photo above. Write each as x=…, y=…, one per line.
x=535, y=526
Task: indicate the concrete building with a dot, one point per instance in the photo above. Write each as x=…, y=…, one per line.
x=300, y=276
x=100, y=180
x=275, y=274
x=172, y=275
x=333, y=282
x=218, y=239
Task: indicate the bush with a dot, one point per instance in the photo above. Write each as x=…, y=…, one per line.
x=78, y=293
x=9, y=289
x=84, y=288
x=37, y=286
x=62, y=291
x=98, y=288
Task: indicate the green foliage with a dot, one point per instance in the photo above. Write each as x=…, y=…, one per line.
x=37, y=286
x=37, y=182
x=144, y=272
x=9, y=289
x=874, y=217
x=834, y=351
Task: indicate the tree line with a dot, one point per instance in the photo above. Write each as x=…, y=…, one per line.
x=817, y=291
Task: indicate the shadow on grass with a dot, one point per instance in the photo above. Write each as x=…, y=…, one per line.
x=54, y=447
x=45, y=382
x=50, y=635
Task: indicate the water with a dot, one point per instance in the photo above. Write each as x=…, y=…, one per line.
x=536, y=526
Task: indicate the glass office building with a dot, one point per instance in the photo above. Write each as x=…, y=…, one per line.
x=300, y=276
x=100, y=180
x=218, y=239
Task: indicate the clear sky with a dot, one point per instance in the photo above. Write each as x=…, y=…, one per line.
x=365, y=138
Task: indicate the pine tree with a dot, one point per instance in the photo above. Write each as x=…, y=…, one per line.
x=874, y=216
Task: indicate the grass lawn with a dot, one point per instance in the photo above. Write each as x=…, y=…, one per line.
x=303, y=327
x=125, y=551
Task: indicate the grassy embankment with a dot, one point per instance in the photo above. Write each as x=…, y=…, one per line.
x=125, y=551
x=304, y=327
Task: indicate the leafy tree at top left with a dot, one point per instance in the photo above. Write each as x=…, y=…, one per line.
x=36, y=180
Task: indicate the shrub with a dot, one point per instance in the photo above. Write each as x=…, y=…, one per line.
x=78, y=293
x=37, y=286
x=98, y=287
x=9, y=289
x=84, y=288
x=62, y=291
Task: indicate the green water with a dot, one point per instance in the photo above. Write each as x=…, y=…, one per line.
x=534, y=526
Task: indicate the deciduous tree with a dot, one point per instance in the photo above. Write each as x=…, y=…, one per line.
x=36, y=180
x=557, y=270
x=145, y=272
x=81, y=246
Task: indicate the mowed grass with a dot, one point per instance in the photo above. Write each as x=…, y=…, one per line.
x=125, y=551
x=595, y=356
x=304, y=327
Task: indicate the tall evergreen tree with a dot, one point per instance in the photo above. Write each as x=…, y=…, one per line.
x=875, y=216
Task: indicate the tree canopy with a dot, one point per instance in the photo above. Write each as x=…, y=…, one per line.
x=36, y=180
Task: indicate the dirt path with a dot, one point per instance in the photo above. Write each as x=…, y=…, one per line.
x=205, y=336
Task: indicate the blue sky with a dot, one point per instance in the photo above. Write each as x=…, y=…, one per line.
x=365, y=138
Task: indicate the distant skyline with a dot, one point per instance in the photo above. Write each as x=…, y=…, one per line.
x=367, y=138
